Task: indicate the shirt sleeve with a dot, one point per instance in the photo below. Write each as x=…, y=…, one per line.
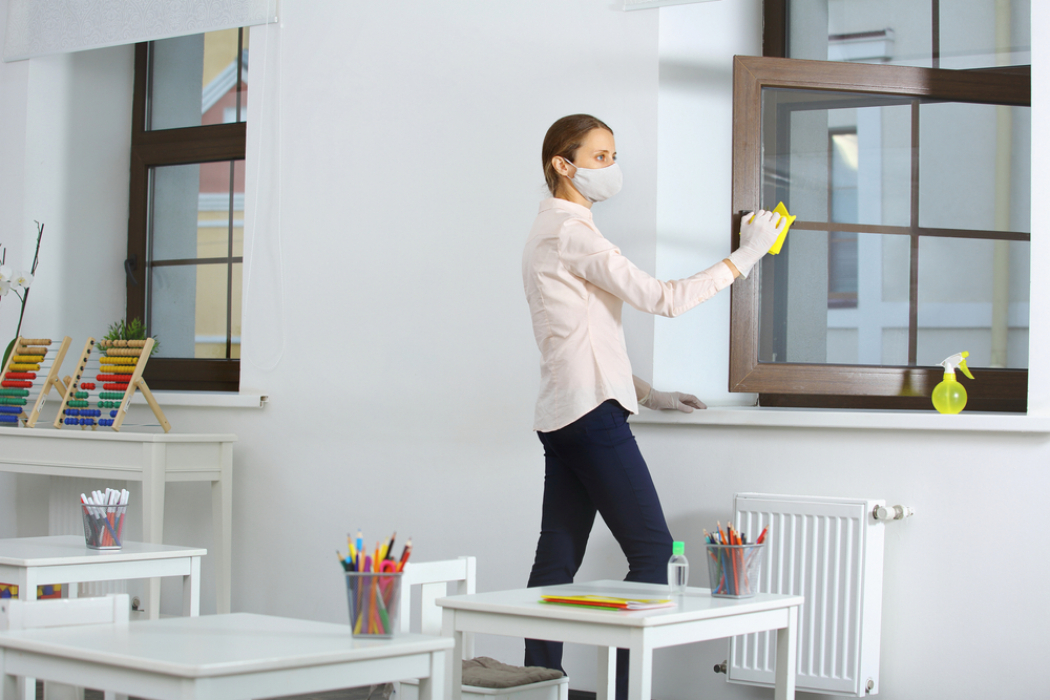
x=589, y=255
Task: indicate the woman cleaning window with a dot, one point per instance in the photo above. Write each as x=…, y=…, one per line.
x=576, y=282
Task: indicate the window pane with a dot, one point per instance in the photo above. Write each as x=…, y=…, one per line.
x=172, y=311
x=188, y=310
x=194, y=80
x=190, y=220
x=863, y=140
x=799, y=322
x=214, y=209
x=980, y=156
x=191, y=211
x=173, y=212
x=973, y=296
x=970, y=33
x=985, y=33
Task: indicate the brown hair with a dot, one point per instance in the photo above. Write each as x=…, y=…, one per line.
x=563, y=138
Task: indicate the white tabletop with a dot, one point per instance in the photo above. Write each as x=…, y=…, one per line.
x=216, y=645
x=696, y=604
x=110, y=436
x=63, y=550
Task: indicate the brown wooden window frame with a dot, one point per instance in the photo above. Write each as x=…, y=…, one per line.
x=849, y=386
x=149, y=149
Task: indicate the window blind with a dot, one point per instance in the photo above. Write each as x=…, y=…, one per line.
x=42, y=27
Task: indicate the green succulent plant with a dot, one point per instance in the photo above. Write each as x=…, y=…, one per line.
x=135, y=330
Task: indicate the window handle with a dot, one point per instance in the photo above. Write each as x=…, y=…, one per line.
x=129, y=265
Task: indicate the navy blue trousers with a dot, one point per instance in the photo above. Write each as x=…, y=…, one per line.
x=593, y=465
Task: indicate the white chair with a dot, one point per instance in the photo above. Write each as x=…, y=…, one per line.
x=66, y=612
x=433, y=578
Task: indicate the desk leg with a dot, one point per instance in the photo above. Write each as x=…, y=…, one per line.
x=640, y=686
x=8, y=684
x=787, y=643
x=153, y=470
x=191, y=589
x=433, y=687
x=606, y=673
x=222, y=529
x=453, y=658
x=27, y=591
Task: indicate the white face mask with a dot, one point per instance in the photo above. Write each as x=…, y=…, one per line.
x=597, y=184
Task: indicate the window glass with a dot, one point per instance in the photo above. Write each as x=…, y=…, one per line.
x=802, y=321
x=875, y=158
x=866, y=258
x=196, y=244
x=981, y=157
x=958, y=34
x=197, y=80
x=973, y=296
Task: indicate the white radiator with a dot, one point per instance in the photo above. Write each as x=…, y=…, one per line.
x=829, y=550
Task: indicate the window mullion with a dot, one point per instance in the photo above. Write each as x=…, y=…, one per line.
x=229, y=253
x=913, y=274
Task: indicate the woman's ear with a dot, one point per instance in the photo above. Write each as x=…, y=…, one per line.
x=561, y=166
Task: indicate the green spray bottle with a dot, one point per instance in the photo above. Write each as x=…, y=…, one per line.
x=950, y=396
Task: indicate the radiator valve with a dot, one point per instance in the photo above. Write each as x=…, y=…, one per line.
x=883, y=513
x=721, y=668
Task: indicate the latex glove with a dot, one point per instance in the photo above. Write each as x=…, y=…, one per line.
x=757, y=236
x=656, y=400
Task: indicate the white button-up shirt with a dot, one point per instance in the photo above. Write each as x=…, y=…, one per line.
x=576, y=282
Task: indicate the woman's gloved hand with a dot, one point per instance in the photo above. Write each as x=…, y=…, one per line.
x=657, y=400
x=663, y=400
x=757, y=236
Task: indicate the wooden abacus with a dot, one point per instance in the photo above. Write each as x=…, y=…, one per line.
x=21, y=374
x=119, y=374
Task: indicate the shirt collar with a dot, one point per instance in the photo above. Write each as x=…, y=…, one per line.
x=565, y=205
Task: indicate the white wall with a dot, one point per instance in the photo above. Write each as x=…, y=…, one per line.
x=14, y=83
x=697, y=45
x=395, y=175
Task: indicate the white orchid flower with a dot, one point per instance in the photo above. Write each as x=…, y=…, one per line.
x=22, y=279
x=5, y=280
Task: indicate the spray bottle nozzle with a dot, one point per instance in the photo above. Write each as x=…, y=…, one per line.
x=957, y=360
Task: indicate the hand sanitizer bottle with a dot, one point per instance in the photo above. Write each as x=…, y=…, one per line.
x=678, y=570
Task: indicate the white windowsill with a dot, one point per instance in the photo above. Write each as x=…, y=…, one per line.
x=753, y=416
x=209, y=399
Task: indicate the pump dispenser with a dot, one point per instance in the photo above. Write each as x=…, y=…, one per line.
x=950, y=396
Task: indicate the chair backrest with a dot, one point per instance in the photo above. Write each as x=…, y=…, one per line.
x=30, y=614
x=433, y=578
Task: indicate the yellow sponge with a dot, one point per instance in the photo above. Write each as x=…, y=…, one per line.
x=779, y=243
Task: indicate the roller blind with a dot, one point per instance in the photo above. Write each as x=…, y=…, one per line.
x=42, y=27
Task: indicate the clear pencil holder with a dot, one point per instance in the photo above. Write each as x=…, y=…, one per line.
x=104, y=526
x=374, y=600
x=733, y=569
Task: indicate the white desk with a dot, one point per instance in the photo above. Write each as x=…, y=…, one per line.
x=38, y=561
x=219, y=657
x=699, y=617
x=153, y=459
